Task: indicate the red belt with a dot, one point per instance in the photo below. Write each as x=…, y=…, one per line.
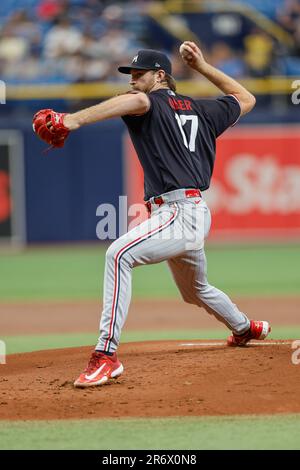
x=160, y=200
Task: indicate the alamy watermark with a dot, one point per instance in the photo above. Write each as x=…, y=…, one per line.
x=2, y=92
x=296, y=94
x=296, y=353
x=184, y=222
x=2, y=352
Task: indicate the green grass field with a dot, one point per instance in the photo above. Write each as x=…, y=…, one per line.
x=253, y=432
x=75, y=272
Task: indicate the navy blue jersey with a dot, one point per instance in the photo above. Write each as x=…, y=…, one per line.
x=176, y=139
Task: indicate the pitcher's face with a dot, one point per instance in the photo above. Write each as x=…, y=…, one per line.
x=142, y=80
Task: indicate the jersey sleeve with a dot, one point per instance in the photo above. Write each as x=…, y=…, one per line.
x=136, y=121
x=221, y=113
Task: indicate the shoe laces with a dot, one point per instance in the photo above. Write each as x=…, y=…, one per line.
x=94, y=361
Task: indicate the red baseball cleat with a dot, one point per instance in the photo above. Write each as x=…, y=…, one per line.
x=100, y=369
x=258, y=330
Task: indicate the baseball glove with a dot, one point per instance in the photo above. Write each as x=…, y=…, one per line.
x=48, y=125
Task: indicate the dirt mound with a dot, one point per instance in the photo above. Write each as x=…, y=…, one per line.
x=174, y=378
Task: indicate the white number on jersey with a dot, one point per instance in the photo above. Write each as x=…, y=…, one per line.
x=181, y=121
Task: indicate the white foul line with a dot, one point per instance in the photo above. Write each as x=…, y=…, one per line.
x=256, y=343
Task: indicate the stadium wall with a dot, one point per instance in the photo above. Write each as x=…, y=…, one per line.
x=64, y=187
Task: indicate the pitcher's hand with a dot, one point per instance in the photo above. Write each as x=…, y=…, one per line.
x=191, y=55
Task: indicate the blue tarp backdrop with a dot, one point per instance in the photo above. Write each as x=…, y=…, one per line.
x=64, y=187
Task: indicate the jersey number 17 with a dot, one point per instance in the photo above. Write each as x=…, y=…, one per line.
x=182, y=119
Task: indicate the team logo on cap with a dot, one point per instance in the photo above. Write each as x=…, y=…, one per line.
x=135, y=59
x=157, y=64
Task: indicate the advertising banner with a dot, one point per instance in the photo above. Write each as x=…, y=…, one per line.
x=5, y=193
x=12, y=194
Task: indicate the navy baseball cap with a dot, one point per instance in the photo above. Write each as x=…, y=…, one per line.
x=148, y=59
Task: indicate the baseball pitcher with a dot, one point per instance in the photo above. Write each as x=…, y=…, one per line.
x=175, y=140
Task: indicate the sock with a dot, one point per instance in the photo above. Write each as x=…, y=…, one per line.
x=104, y=352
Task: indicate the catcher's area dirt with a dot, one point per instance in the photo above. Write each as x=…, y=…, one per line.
x=174, y=378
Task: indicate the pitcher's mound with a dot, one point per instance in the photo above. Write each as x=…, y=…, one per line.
x=173, y=378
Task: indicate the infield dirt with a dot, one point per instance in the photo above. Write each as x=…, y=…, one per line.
x=40, y=317
x=160, y=379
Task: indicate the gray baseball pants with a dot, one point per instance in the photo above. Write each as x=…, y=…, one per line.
x=175, y=233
